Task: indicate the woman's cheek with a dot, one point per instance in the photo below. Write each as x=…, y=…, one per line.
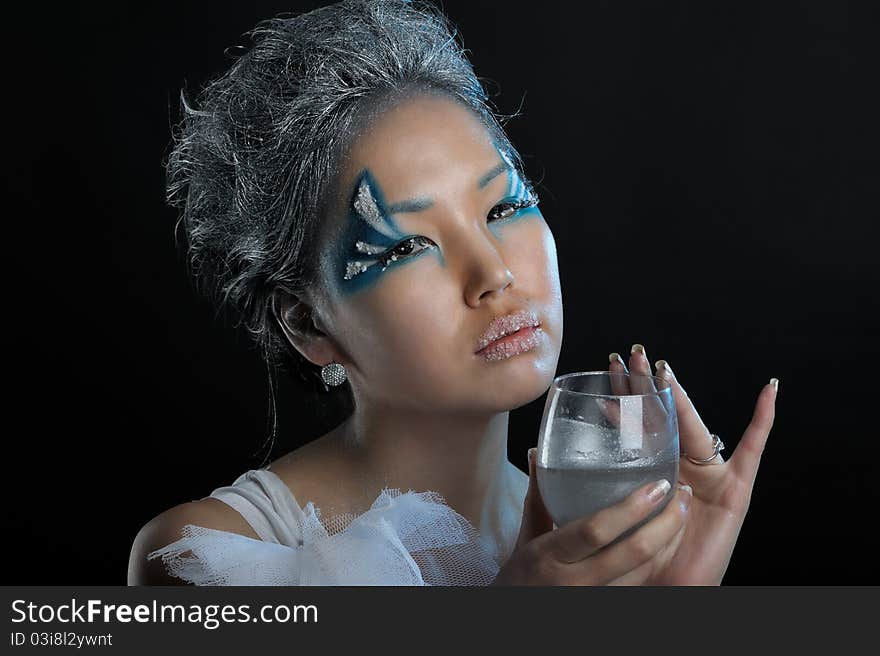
x=405, y=303
x=529, y=244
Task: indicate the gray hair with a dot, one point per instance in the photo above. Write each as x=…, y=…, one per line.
x=253, y=163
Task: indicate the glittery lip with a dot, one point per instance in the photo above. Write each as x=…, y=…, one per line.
x=521, y=341
x=503, y=326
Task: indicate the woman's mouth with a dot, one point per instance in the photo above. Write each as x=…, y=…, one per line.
x=524, y=339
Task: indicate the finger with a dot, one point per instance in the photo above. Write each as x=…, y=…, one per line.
x=535, y=520
x=619, y=387
x=643, y=545
x=581, y=538
x=647, y=570
x=640, y=371
x=619, y=384
x=747, y=457
x=637, y=576
x=611, y=411
x=642, y=381
x=694, y=437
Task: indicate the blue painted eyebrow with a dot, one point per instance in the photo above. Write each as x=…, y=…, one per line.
x=491, y=175
x=419, y=204
x=412, y=205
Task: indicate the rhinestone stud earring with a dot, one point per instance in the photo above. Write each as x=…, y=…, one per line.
x=333, y=374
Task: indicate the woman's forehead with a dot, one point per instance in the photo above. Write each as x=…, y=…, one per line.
x=423, y=146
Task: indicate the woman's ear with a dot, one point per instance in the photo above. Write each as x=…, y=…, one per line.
x=300, y=324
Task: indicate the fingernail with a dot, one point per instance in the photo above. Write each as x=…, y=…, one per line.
x=663, y=367
x=637, y=348
x=615, y=357
x=658, y=491
x=531, y=453
x=775, y=383
x=685, y=502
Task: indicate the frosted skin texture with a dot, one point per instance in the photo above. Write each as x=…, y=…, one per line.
x=513, y=345
x=371, y=232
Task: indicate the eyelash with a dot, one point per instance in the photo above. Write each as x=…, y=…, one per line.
x=515, y=205
x=512, y=207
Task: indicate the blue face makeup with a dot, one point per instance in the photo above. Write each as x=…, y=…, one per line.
x=373, y=242
x=520, y=202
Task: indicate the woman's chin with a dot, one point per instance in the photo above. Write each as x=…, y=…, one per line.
x=517, y=383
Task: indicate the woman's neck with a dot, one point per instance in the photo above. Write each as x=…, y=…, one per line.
x=464, y=459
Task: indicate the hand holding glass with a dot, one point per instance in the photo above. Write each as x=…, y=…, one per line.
x=603, y=435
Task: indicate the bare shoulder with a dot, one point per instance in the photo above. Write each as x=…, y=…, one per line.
x=165, y=528
x=303, y=471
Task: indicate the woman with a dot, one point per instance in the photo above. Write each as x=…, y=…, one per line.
x=347, y=190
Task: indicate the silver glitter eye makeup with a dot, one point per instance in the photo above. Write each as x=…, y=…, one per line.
x=369, y=249
x=371, y=212
x=406, y=249
x=402, y=251
x=369, y=207
x=508, y=208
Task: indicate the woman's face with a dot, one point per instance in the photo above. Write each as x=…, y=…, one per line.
x=426, y=181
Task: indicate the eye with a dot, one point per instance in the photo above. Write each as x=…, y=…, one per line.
x=405, y=249
x=507, y=208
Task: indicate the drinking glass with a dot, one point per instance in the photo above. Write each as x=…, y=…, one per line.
x=602, y=436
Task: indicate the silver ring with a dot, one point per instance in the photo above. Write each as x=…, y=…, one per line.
x=717, y=446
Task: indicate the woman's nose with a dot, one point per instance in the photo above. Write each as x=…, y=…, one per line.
x=484, y=268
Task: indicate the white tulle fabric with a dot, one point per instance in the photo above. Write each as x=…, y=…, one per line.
x=410, y=538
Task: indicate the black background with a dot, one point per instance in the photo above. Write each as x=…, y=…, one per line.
x=710, y=173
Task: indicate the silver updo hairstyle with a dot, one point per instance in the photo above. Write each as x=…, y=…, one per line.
x=252, y=162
